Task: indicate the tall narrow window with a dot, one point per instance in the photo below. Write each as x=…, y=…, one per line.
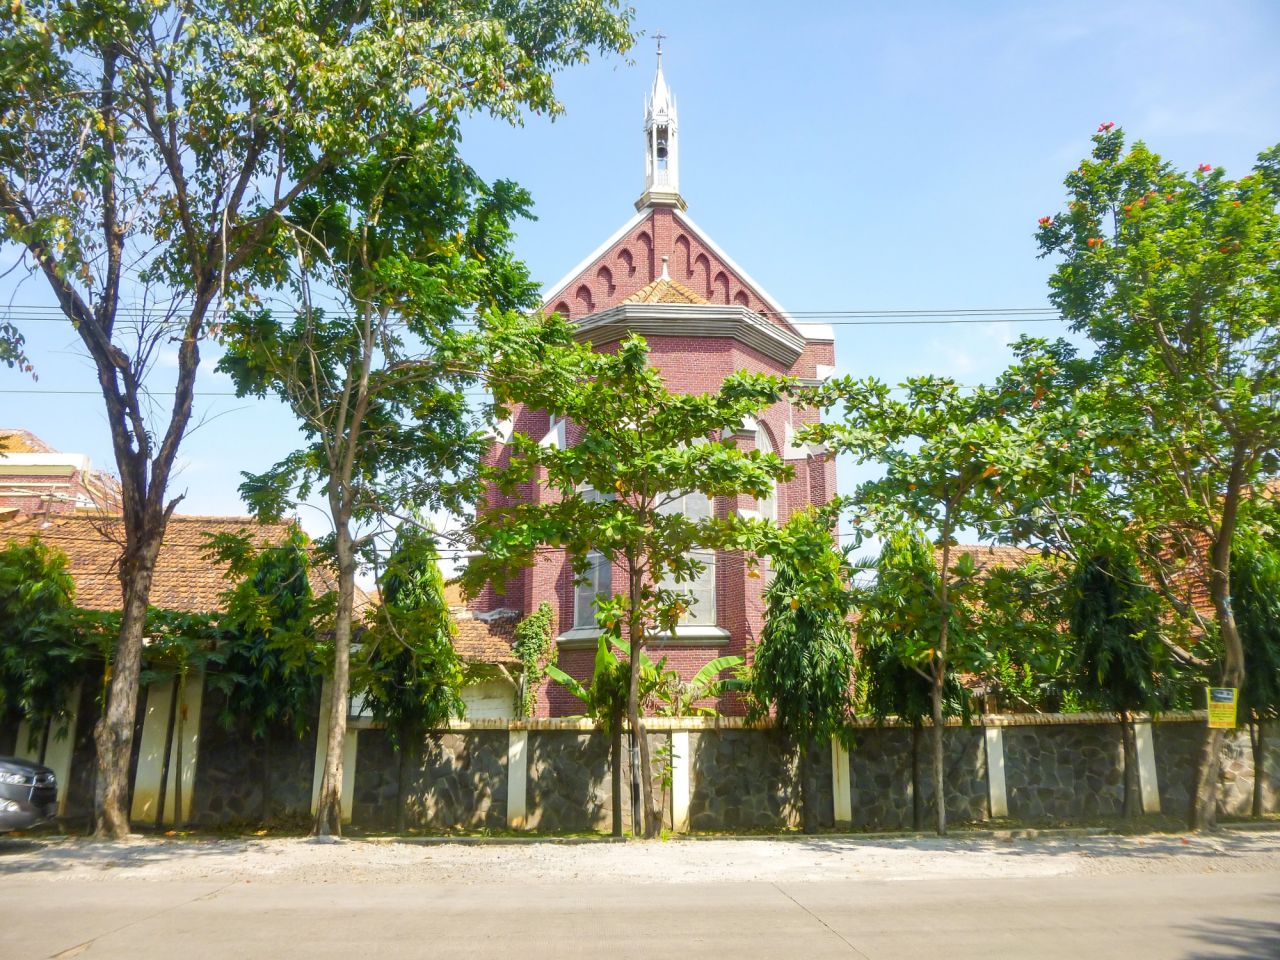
x=596, y=582
x=767, y=507
x=702, y=611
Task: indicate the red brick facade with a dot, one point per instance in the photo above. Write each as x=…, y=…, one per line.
x=661, y=243
x=36, y=478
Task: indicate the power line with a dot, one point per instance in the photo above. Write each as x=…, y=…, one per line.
x=846, y=318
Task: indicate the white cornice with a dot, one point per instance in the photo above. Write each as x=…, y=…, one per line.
x=810, y=331
x=693, y=320
x=553, y=292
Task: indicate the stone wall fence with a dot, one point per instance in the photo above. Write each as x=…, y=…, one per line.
x=553, y=775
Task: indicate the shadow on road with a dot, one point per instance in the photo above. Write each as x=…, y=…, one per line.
x=18, y=857
x=1215, y=847
x=1234, y=937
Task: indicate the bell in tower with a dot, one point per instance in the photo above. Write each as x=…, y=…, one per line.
x=662, y=148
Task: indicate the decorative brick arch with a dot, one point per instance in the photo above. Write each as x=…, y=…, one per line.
x=562, y=308
x=684, y=256
x=585, y=302
x=605, y=276
x=741, y=298
x=701, y=274
x=720, y=288
x=646, y=252
x=626, y=263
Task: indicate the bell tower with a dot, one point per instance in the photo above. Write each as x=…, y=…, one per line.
x=662, y=145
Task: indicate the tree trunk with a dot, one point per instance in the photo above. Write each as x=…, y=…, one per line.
x=939, y=784
x=615, y=769
x=917, y=802
x=641, y=763
x=406, y=753
x=328, y=820
x=939, y=679
x=113, y=733
x=266, y=777
x=1204, y=810
x=1257, y=740
x=808, y=793
x=1129, y=743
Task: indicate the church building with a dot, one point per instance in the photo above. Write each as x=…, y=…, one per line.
x=704, y=317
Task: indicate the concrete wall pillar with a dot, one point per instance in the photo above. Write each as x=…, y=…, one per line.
x=680, y=780
x=1148, y=782
x=517, y=778
x=349, y=756
x=841, y=788
x=151, y=757
x=998, y=793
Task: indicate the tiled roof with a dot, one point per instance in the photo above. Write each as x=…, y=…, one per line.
x=987, y=558
x=485, y=641
x=185, y=579
x=664, y=290
x=13, y=440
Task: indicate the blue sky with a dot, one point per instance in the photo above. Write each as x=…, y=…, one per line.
x=848, y=155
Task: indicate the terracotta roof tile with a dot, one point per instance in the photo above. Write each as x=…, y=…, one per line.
x=664, y=290
x=13, y=440
x=987, y=558
x=485, y=641
x=185, y=579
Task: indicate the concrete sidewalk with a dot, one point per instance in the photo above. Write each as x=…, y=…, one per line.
x=1096, y=917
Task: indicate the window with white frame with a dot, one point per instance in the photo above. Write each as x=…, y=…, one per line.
x=702, y=611
x=767, y=507
x=596, y=582
x=598, y=579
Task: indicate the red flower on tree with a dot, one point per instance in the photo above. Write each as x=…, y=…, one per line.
x=1094, y=242
x=1045, y=221
x=1204, y=168
x=1104, y=127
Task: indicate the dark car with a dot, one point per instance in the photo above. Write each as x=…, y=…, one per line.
x=28, y=794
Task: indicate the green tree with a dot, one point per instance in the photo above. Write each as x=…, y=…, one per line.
x=1020, y=617
x=41, y=656
x=410, y=676
x=897, y=621
x=619, y=491
x=149, y=149
x=802, y=670
x=1174, y=278
x=605, y=700
x=1115, y=622
x=1256, y=599
x=270, y=638
x=952, y=459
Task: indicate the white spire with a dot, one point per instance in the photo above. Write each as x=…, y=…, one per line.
x=662, y=149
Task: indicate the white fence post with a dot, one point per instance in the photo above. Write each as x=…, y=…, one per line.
x=841, y=789
x=680, y=781
x=517, y=778
x=1148, y=783
x=997, y=791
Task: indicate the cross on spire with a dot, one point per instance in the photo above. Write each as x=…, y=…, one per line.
x=660, y=36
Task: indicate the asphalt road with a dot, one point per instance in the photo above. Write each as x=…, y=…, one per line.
x=1129, y=916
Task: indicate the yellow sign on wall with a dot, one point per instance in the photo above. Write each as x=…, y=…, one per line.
x=1222, y=706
